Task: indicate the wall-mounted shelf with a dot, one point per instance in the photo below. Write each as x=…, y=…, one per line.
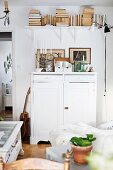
x=57, y=27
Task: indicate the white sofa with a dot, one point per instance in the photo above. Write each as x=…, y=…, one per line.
x=104, y=137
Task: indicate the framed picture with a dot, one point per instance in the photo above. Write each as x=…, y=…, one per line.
x=45, y=55
x=80, y=54
x=56, y=52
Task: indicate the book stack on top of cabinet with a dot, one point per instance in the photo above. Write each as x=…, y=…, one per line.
x=35, y=18
x=87, y=16
x=62, y=17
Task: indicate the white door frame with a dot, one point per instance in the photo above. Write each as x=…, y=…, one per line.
x=8, y=29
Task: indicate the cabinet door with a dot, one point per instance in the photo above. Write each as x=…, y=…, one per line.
x=79, y=103
x=47, y=109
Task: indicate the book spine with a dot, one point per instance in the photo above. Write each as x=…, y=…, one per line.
x=35, y=17
x=71, y=20
x=62, y=16
x=78, y=20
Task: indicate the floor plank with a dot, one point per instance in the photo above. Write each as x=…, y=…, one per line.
x=6, y=114
x=34, y=151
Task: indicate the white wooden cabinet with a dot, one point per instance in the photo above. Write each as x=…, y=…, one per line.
x=59, y=99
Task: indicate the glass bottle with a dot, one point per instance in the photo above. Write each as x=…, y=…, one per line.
x=83, y=65
x=77, y=66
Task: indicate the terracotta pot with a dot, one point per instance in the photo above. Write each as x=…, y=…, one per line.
x=80, y=153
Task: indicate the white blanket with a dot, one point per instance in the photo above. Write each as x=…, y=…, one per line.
x=104, y=137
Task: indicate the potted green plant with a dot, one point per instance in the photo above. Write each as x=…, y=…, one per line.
x=82, y=147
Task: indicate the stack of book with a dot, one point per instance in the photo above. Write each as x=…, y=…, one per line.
x=87, y=16
x=35, y=18
x=62, y=17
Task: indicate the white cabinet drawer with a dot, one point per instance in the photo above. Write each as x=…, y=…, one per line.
x=79, y=78
x=47, y=78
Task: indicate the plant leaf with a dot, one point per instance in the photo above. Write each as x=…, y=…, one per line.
x=90, y=137
x=80, y=142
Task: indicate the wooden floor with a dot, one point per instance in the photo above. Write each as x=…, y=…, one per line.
x=6, y=114
x=34, y=151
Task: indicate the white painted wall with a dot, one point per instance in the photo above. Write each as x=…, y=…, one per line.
x=5, y=50
x=25, y=46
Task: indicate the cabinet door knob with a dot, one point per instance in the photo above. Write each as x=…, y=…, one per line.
x=66, y=108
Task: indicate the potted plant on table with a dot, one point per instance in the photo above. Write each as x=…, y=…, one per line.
x=82, y=147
